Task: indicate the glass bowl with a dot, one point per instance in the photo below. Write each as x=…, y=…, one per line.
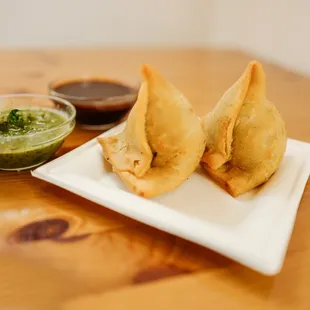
x=25, y=151
x=101, y=103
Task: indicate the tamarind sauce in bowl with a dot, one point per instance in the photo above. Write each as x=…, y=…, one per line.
x=100, y=103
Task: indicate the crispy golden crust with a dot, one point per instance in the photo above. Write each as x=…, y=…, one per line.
x=246, y=136
x=162, y=143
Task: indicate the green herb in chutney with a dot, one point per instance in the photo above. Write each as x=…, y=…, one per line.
x=15, y=119
x=29, y=151
x=21, y=122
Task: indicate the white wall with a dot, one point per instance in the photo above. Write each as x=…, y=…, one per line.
x=36, y=23
x=278, y=30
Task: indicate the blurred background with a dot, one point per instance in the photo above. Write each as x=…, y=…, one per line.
x=272, y=30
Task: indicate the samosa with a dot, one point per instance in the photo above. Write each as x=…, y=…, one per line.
x=163, y=140
x=246, y=135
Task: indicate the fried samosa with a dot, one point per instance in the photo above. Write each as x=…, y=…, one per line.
x=163, y=140
x=246, y=135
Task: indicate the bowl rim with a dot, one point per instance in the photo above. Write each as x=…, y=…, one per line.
x=54, y=98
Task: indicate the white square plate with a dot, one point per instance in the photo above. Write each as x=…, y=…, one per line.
x=253, y=229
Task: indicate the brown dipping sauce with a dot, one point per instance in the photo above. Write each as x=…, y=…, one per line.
x=98, y=102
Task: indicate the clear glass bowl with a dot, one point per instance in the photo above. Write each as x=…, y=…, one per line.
x=32, y=149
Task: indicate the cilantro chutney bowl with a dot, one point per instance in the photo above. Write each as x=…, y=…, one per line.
x=32, y=128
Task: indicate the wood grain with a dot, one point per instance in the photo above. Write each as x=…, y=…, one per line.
x=59, y=251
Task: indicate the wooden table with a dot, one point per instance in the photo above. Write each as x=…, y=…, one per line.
x=83, y=256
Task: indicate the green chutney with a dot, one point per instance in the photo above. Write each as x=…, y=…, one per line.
x=27, y=138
